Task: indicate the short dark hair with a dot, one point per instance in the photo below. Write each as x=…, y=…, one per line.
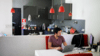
x=56, y=30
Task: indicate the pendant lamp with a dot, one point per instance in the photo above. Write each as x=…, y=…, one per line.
x=70, y=14
x=52, y=9
x=61, y=8
x=12, y=10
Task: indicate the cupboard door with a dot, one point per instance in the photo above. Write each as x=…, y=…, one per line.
x=32, y=10
x=43, y=12
x=68, y=8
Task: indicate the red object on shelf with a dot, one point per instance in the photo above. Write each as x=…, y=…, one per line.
x=52, y=10
x=23, y=20
x=70, y=14
x=72, y=30
x=12, y=10
x=61, y=9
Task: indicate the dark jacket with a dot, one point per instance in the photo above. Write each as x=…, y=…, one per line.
x=78, y=40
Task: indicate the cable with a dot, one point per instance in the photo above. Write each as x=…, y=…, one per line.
x=52, y=3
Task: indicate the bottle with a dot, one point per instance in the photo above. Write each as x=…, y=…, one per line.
x=43, y=26
x=29, y=17
x=98, y=50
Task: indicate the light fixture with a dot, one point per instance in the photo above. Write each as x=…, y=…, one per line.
x=12, y=10
x=52, y=9
x=70, y=14
x=29, y=17
x=75, y=22
x=61, y=8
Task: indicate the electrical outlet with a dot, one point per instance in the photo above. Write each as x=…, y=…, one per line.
x=8, y=26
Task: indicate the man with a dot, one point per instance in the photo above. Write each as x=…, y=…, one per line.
x=56, y=40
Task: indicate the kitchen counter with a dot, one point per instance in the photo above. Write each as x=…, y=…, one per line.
x=26, y=32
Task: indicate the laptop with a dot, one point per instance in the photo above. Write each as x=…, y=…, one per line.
x=67, y=48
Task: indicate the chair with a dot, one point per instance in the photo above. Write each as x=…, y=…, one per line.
x=84, y=35
x=46, y=40
x=85, y=39
x=80, y=54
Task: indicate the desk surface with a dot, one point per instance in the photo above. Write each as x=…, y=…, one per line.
x=57, y=53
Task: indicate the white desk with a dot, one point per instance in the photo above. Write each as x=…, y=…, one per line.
x=56, y=53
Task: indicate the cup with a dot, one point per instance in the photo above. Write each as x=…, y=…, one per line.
x=40, y=33
x=98, y=50
x=93, y=50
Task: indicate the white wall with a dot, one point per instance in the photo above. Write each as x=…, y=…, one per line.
x=90, y=11
x=92, y=17
x=6, y=16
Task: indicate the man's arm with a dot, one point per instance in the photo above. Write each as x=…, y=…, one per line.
x=50, y=47
x=64, y=43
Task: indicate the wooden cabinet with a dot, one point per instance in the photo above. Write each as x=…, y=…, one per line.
x=51, y=16
x=67, y=7
x=36, y=12
x=32, y=10
x=43, y=12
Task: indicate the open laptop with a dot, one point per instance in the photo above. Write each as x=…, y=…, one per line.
x=67, y=48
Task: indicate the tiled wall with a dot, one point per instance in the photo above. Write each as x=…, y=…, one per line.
x=78, y=26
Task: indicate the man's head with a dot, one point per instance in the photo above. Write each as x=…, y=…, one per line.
x=57, y=31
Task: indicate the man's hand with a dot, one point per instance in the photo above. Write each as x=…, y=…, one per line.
x=58, y=48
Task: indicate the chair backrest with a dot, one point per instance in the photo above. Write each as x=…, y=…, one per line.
x=46, y=40
x=80, y=54
x=84, y=35
x=85, y=39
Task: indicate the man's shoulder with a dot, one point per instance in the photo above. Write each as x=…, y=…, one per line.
x=61, y=37
x=51, y=36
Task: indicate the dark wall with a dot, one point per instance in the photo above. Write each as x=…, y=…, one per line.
x=79, y=26
x=58, y=2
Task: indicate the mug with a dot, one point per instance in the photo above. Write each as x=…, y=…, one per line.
x=93, y=50
x=40, y=33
